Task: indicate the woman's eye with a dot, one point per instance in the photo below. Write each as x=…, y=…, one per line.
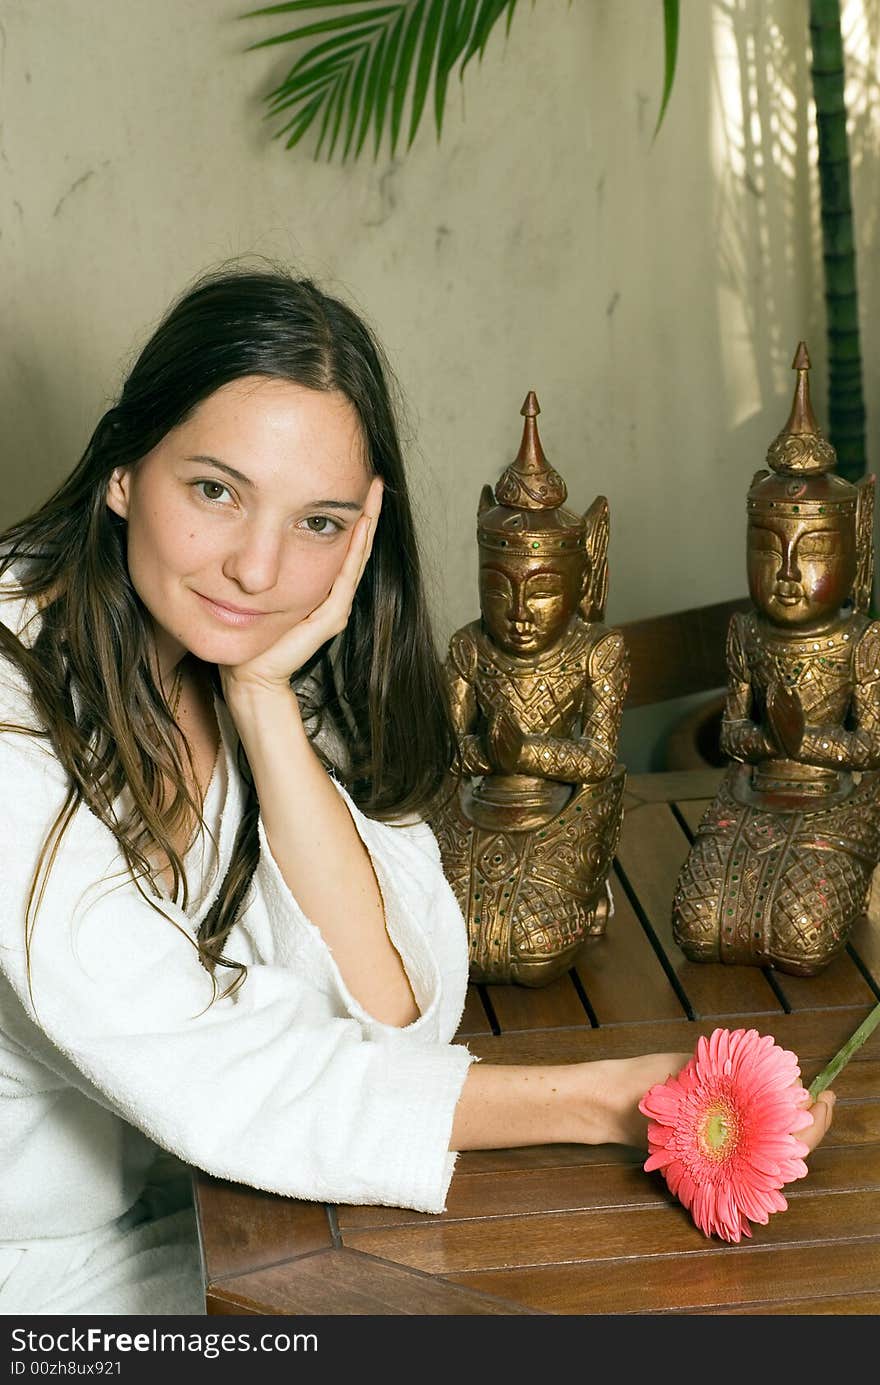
x=206, y=488
x=322, y=524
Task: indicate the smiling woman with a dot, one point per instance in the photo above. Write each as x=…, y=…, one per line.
x=226, y=935
x=258, y=550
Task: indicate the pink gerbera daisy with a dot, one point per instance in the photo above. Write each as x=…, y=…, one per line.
x=723, y=1130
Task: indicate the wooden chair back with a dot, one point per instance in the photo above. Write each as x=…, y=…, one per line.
x=678, y=654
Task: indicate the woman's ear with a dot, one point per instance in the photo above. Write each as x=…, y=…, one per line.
x=117, y=491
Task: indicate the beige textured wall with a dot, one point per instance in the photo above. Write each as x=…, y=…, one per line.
x=652, y=294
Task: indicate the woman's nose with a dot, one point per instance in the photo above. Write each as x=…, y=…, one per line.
x=255, y=562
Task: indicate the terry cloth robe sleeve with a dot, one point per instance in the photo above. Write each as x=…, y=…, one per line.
x=422, y=916
x=287, y=1085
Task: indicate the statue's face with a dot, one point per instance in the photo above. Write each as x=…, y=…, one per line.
x=801, y=570
x=527, y=604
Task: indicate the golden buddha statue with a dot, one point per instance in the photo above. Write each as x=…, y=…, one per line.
x=537, y=688
x=781, y=865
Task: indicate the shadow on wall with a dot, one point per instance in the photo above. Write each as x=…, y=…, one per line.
x=764, y=215
x=767, y=194
x=36, y=430
x=763, y=139
x=862, y=45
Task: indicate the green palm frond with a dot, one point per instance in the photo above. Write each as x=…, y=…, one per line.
x=373, y=56
x=368, y=60
x=670, y=55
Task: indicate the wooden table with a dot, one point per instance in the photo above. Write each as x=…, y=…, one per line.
x=583, y=1230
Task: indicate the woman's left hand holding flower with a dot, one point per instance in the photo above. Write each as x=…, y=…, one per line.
x=731, y=1128
x=821, y=1111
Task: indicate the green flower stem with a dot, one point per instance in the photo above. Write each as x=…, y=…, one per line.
x=840, y=1060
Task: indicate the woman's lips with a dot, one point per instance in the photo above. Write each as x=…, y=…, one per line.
x=228, y=616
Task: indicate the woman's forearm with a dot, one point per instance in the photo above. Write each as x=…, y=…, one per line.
x=503, y=1107
x=507, y=1107
x=319, y=853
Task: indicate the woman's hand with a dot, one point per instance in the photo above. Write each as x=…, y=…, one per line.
x=821, y=1110
x=274, y=668
x=624, y=1081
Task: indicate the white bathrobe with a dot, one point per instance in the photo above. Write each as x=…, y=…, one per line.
x=110, y=1050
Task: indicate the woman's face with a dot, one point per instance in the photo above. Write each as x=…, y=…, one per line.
x=249, y=504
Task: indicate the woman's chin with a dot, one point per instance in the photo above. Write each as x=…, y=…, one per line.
x=226, y=648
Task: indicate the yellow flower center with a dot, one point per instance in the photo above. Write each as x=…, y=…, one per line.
x=718, y=1131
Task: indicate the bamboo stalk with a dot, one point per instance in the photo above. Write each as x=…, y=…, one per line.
x=846, y=408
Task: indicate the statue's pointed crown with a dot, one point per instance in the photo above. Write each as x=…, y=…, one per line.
x=801, y=480
x=528, y=514
x=530, y=481
x=801, y=448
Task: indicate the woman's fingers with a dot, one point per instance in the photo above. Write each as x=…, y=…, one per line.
x=277, y=664
x=373, y=502
x=372, y=510
x=331, y=616
x=821, y=1111
x=337, y=605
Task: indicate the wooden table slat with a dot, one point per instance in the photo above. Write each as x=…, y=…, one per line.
x=345, y=1282
x=652, y=850
x=840, y=983
x=474, y=1019
x=504, y=1161
x=519, y=1193
x=815, y=1038
x=522, y=1007
x=593, y=1236
x=242, y=1228
x=720, y=1279
x=839, y=1306
x=692, y=810
x=621, y=974
x=864, y=939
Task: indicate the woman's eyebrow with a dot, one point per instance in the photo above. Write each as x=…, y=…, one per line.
x=222, y=466
x=246, y=481
x=335, y=505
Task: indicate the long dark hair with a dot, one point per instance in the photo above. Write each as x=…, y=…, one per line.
x=89, y=669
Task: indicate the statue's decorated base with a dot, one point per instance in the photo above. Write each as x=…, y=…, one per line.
x=531, y=897
x=776, y=880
